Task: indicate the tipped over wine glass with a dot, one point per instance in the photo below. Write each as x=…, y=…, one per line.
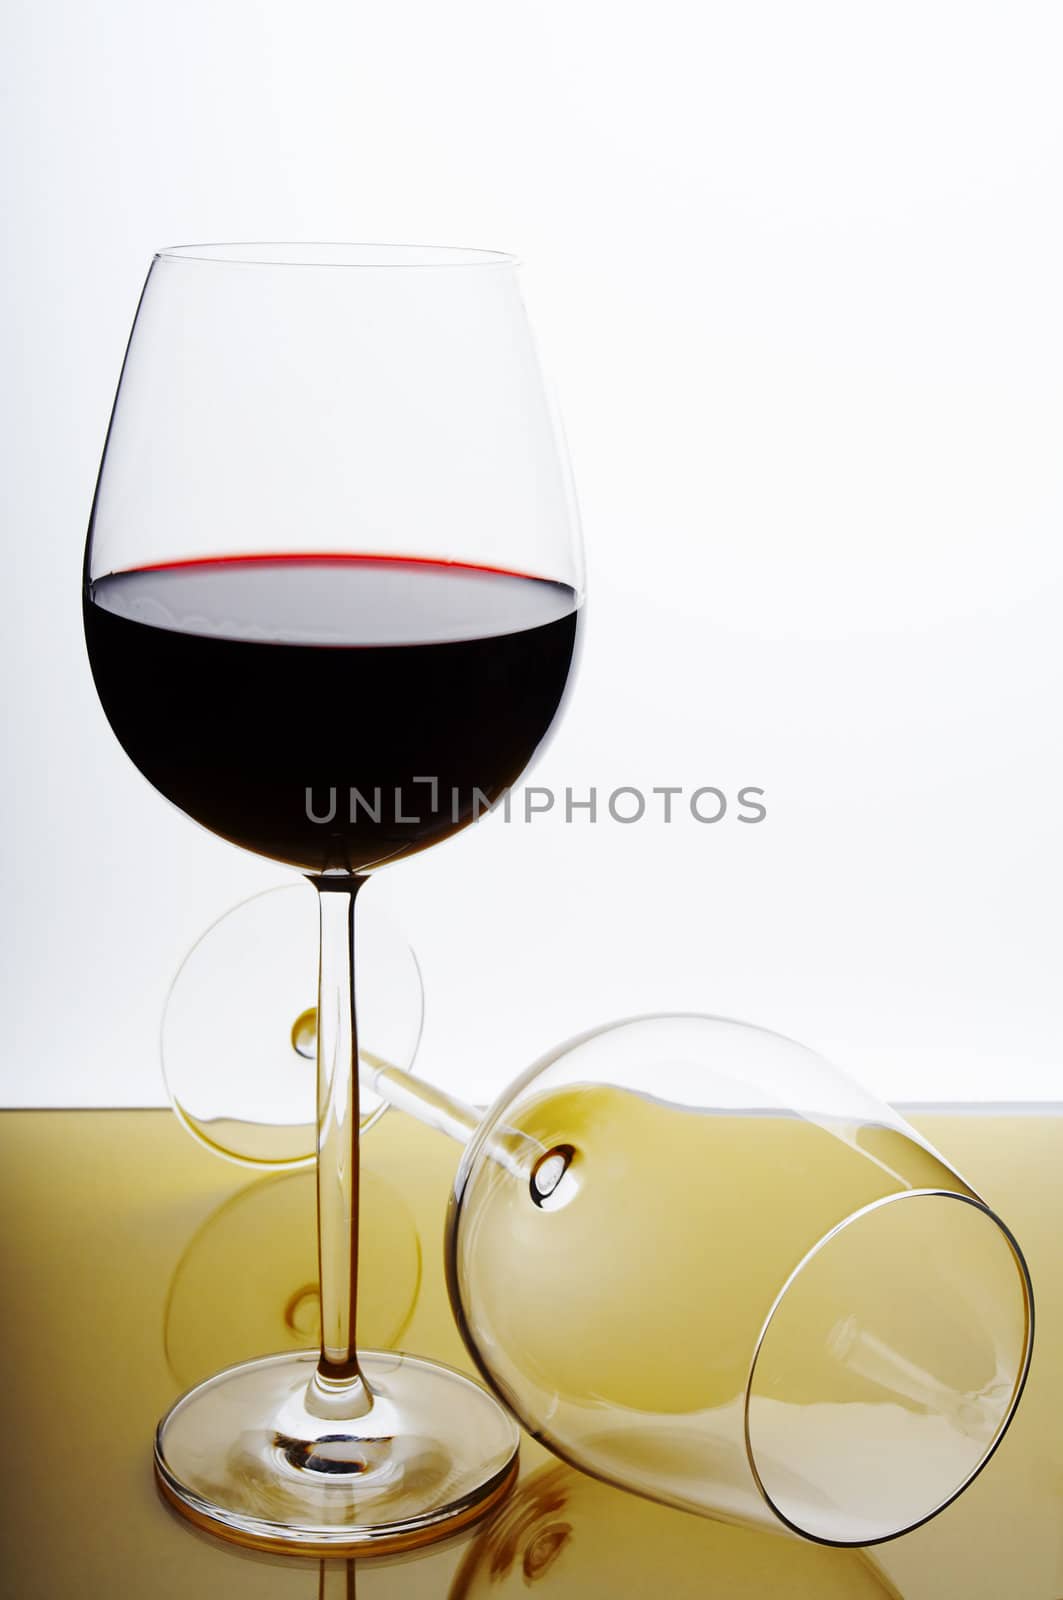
x=692, y=1258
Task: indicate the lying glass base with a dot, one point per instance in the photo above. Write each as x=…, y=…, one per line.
x=243, y=1456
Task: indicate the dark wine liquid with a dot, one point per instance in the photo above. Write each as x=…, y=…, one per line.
x=330, y=712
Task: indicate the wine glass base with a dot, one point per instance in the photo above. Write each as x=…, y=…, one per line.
x=242, y=1456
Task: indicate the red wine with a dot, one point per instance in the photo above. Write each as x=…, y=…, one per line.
x=330, y=711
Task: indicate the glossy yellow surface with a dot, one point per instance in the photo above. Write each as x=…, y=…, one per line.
x=134, y=1263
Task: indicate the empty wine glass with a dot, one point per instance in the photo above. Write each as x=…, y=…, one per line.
x=332, y=592
x=698, y=1262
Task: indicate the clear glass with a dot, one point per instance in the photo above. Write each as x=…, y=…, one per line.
x=332, y=592
x=239, y=1026
x=698, y=1262
x=350, y=398
x=744, y=1287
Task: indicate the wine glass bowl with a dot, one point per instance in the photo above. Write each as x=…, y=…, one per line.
x=334, y=523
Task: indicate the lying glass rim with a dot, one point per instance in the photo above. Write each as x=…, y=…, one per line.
x=1025, y=1286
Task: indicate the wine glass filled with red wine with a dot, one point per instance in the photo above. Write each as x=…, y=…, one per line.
x=332, y=597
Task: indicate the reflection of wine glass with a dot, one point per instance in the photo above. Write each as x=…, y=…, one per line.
x=332, y=589
x=337, y=1581
x=563, y=1536
x=206, y=1327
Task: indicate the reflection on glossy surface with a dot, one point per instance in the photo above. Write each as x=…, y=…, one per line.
x=567, y=1537
x=247, y=1283
x=98, y=1207
x=337, y=1581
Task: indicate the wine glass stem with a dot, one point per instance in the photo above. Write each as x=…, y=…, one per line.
x=424, y=1101
x=337, y=1140
x=507, y=1147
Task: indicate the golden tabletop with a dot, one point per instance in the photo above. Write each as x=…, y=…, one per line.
x=136, y=1263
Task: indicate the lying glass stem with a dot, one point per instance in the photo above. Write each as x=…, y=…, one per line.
x=515, y=1151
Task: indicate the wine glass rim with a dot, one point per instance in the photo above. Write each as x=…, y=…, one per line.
x=887, y=1203
x=318, y=253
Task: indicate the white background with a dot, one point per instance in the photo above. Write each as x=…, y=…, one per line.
x=796, y=273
